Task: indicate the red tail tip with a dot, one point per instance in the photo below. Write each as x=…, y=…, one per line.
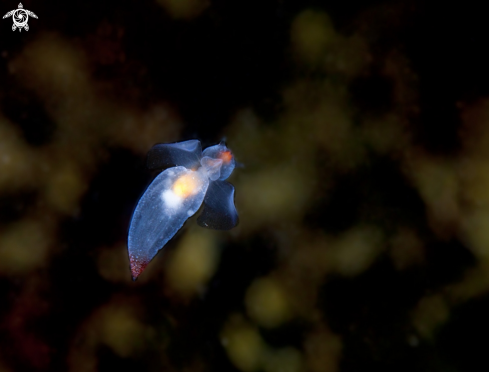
x=137, y=266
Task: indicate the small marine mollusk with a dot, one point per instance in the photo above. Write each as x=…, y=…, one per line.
x=177, y=193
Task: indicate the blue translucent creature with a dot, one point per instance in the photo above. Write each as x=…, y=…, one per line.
x=177, y=193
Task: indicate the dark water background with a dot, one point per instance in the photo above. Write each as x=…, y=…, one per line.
x=363, y=241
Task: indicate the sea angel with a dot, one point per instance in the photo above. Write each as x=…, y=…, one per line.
x=196, y=177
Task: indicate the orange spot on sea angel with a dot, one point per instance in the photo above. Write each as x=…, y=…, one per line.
x=137, y=266
x=226, y=156
x=185, y=186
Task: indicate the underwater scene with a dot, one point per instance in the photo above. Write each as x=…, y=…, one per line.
x=244, y=186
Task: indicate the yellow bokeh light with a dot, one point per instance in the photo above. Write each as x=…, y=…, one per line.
x=185, y=186
x=266, y=303
x=184, y=9
x=243, y=343
x=311, y=33
x=193, y=263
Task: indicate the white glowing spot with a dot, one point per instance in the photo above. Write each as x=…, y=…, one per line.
x=190, y=212
x=171, y=199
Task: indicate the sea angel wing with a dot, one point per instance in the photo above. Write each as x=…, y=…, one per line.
x=173, y=196
x=219, y=211
x=186, y=154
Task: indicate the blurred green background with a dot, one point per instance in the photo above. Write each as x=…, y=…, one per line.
x=363, y=240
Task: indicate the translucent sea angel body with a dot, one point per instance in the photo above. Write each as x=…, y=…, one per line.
x=177, y=193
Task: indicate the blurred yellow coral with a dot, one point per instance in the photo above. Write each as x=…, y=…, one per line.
x=17, y=160
x=25, y=246
x=438, y=183
x=243, y=344
x=474, y=283
x=281, y=193
x=311, y=33
x=266, y=302
x=193, y=262
x=113, y=262
x=116, y=324
x=53, y=66
x=355, y=250
x=249, y=352
x=430, y=313
x=184, y=9
x=64, y=188
x=287, y=359
x=123, y=332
